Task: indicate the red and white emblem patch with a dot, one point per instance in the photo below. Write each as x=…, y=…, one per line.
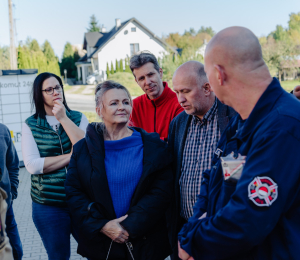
x=263, y=191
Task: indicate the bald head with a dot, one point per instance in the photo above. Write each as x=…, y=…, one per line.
x=235, y=68
x=191, y=68
x=235, y=46
x=192, y=88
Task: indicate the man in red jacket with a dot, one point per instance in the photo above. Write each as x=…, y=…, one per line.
x=154, y=110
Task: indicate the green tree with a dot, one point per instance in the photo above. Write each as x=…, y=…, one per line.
x=52, y=60
x=127, y=68
x=280, y=34
x=112, y=71
x=171, y=62
x=107, y=70
x=121, y=66
x=30, y=56
x=207, y=30
x=117, y=67
x=68, y=61
x=93, y=25
x=294, y=28
x=4, y=58
x=34, y=45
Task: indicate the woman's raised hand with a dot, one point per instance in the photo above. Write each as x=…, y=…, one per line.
x=115, y=231
x=59, y=110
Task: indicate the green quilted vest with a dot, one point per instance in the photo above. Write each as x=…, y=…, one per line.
x=49, y=188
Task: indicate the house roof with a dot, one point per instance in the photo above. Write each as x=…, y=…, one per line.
x=91, y=38
x=99, y=40
x=83, y=58
x=290, y=64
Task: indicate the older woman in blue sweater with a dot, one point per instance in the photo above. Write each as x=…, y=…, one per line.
x=119, y=184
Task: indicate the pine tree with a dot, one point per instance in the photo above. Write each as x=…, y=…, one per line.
x=121, y=66
x=117, y=67
x=127, y=68
x=68, y=61
x=34, y=46
x=94, y=26
x=4, y=58
x=52, y=60
x=107, y=70
x=112, y=68
x=22, y=59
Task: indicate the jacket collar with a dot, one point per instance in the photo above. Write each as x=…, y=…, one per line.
x=162, y=98
x=262, y=108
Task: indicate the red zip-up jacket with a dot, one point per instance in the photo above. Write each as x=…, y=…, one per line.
x=155, y=115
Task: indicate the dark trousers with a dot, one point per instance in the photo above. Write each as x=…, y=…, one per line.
x=54, y=226
x=174, y=255
x=13, y=234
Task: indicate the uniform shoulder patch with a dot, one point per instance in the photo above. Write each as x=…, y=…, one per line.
x=263, y=191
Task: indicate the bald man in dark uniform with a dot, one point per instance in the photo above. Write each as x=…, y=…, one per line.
x=249, y=203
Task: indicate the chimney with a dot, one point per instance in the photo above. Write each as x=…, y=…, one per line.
x=103, y=29
x=118, y=23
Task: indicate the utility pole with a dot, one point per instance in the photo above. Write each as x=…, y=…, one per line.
x=13, y=54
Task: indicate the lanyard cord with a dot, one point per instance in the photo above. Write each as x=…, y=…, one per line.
x=127, y=247
x=129, y=250
x=109, y=249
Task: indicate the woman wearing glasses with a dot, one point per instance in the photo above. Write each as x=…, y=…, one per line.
x=47, y=140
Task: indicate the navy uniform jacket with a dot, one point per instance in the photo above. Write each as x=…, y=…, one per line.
x=239, y=224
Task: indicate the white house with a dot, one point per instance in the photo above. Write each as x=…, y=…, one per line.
x=122, y=41
x=202, y=49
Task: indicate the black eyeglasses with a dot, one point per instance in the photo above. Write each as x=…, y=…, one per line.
x=50, y=91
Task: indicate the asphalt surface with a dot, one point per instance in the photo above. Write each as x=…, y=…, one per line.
x=81, y=102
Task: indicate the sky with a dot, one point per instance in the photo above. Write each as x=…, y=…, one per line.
x=61, y=21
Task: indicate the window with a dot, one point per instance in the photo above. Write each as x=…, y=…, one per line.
x=133, y=29
x=134, y=48
x=125, y=32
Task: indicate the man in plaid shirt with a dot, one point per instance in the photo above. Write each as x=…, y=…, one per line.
x=193, y=138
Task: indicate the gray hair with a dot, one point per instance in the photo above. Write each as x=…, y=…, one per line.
x=140, y=59
x=102, y=88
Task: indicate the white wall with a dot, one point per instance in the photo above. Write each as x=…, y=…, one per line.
x=15, y=106
x=119, y=47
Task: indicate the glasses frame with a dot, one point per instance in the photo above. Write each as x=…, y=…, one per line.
x=60, y=86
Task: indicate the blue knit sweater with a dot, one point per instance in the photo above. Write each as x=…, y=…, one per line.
x=124, y=167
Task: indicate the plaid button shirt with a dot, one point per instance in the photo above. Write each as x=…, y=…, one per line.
x=200, y=145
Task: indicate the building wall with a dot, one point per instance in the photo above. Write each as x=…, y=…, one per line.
x=119, y=47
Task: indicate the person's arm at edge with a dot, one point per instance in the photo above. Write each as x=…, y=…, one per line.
x=12, y=165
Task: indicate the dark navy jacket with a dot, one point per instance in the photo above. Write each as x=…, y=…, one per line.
x=235, y=227
x=9, y=165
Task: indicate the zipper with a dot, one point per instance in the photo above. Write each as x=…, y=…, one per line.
x=56, y=132
x=154, y=116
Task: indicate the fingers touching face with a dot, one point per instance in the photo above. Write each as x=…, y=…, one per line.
x=49, y=100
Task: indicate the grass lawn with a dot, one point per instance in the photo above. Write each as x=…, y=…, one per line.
x=290, y=85
x=67, y=87
x=127, y=80
x=92, y=116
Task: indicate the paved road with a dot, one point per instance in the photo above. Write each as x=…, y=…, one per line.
x=81, y=102
x=32, y=244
